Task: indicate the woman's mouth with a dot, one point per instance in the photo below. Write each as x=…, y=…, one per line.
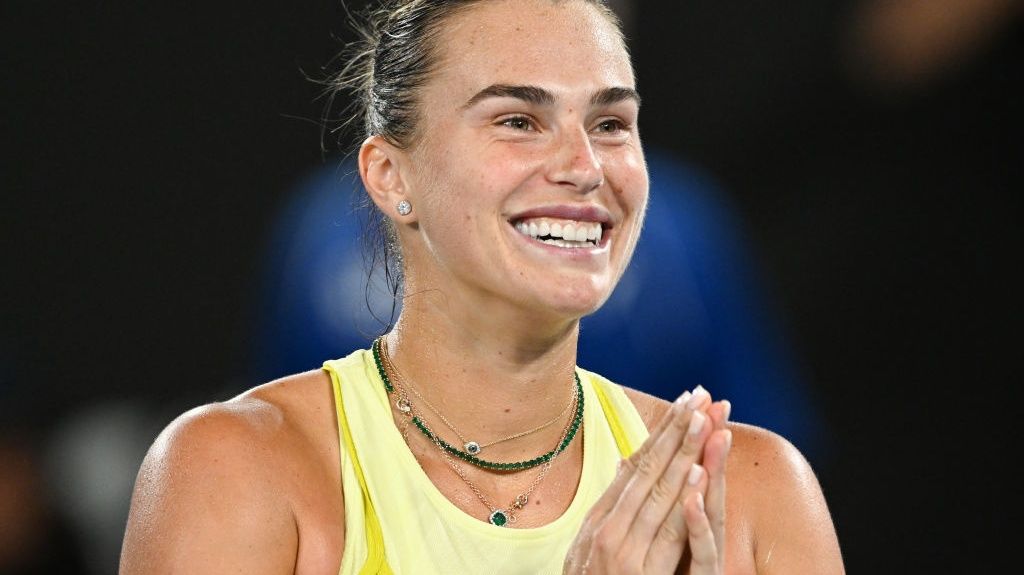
x=562, y=233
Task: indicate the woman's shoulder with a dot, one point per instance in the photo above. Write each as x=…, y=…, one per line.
x=763, y=465
x=275, y=414
x=751, y=444
x=253, y=436
x=223, y=466
x=775, y=491
x=773, y=501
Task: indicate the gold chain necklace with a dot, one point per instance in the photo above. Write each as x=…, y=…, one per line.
x=471, y=447
x=404, y=404
x=498, y=516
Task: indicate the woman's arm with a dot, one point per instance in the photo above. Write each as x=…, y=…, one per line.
x=208, y=498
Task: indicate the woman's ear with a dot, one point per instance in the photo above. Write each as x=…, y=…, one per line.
x=380, y=169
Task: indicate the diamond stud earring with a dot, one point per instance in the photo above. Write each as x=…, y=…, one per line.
x=404, y=208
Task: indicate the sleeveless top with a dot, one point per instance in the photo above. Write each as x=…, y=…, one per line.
x=397, y=521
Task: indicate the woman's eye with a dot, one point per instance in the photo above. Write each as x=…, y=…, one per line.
x=610, y=126
x=517, y=123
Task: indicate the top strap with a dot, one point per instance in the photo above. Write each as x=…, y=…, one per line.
x=376, y=563
x=610, y=414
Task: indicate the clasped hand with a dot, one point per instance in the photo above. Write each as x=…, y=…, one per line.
x=667, y=500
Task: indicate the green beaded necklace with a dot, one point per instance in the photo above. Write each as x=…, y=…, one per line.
x=468, y=457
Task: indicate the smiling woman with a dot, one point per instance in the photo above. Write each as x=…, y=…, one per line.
x=502, y=151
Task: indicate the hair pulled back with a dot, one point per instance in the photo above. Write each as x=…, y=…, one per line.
x=394, y=57
x=382, y=73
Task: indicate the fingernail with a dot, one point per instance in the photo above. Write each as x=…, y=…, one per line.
x=696, y=423
x=728, y=439
x=726, y=409
x=699, y=393
x=700, y=501
x=683, y=398
x=693, y=478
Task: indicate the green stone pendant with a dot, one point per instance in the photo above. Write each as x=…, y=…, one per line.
x=498, y=517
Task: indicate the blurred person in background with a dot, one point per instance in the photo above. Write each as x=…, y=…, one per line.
x=908, y=45
x=35, y=539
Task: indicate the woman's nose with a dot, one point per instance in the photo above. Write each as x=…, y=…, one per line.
x=574, y=162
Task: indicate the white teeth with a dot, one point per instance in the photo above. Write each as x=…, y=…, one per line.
x=565, y=235
x=567, y=243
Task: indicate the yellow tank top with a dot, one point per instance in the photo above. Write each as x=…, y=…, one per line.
x=397, y=521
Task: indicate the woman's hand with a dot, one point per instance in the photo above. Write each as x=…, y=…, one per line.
x=705, y=515
x=662, y=500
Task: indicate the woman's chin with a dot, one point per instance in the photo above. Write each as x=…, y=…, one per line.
x=574, y=303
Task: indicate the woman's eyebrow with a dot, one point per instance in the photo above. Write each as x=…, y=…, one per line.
x=540, y=96
x=614, y=95
x=528, y=94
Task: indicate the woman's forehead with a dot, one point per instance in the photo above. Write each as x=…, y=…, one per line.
x=531, y=42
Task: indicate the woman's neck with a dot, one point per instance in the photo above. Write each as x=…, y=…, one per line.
x=493, y=381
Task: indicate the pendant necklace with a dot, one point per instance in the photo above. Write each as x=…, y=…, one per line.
x=498, y=516
x=470, y=447
x=404, y=404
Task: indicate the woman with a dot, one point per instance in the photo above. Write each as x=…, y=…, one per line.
x=502, y=146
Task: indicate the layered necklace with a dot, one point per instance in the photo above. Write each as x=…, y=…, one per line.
x=398, y=386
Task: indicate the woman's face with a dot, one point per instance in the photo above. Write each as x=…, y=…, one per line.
x=527, y=177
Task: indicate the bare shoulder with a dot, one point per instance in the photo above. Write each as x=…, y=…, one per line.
x=217, y=471
x=774, y=503
x=775, y=491
x=767, y=464
x=303, y=401
x=766, y=453
x=253, y=433
x=758, y=456
x=756, y=452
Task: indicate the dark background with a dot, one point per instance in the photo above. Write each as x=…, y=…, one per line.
x=148, y=148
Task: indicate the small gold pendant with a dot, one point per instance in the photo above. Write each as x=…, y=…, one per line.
x=403, y=405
